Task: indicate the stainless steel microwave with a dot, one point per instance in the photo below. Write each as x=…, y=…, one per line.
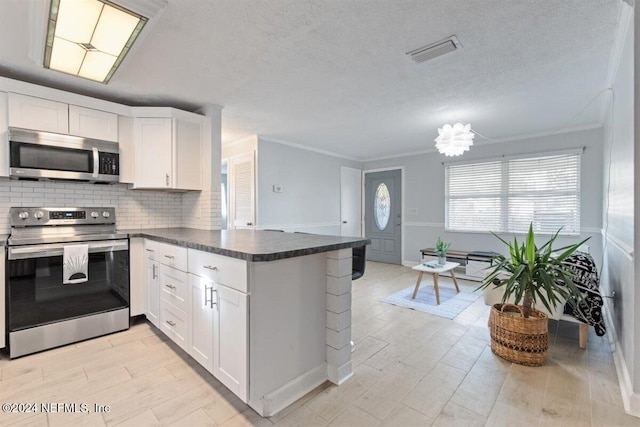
x=45, y=155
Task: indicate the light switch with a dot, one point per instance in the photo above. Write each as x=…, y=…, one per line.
x=277, y=188
x=412, y=211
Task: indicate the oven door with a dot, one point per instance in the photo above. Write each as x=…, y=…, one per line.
x=36, y=295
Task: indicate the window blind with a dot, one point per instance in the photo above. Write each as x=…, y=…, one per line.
x=507, y=195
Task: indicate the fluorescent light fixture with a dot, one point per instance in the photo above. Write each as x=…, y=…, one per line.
x=90, y=38
x=454, y=140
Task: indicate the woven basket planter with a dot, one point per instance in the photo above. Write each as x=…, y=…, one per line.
x=516, y=339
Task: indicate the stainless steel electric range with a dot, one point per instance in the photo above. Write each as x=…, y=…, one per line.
x=67, y=277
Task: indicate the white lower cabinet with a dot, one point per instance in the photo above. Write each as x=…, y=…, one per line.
x=202, y=297
x=173, y=286
x=201, y=312
x=230, y=349
x=174, y=323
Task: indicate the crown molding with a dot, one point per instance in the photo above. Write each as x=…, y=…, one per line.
x=307, y=148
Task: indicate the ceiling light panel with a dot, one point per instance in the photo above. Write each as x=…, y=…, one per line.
x=89, y=38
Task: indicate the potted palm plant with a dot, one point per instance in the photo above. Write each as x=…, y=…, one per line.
x=441, y=251
x=529, y=274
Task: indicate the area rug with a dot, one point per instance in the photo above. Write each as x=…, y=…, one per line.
x=452, y=303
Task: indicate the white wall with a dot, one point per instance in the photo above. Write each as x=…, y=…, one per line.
x=201, y=209
x=424, y=192
x=310, y=199
x=619, y=218
x=239, y=148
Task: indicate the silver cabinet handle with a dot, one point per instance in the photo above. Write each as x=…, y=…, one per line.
x=172, y=287
x=211, y=267
x=170, y=323
x=209, y=300
x=167, y=180
x=149, y=250
x=154, y=269
x=169, y=256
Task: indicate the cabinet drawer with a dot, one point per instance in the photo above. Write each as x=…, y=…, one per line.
x=151, y=249
x=171, y=255
x=173, y=322
x=173, y=286
x=231, y=272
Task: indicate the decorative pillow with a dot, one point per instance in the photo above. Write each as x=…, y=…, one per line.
x=589, y=309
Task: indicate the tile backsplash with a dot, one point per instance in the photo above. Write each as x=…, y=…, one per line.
x=134, y=208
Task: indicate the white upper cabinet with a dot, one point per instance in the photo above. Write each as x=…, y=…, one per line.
x=153, y=154
x=39, y=114
x=30, y=112
x=90, y=123
x=168, y=152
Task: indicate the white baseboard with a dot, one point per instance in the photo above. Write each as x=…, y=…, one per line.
x=272, y=403
x=630, y=399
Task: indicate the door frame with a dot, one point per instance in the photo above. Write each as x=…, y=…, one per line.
x=402, y=195
x=231, y=210
x=361, y=233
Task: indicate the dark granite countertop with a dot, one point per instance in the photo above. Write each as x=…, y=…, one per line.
x=249, y=245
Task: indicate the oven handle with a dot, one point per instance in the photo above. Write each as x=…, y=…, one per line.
x=57, y=249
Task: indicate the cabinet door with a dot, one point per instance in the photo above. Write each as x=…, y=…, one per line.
x=230, y=340
x=202, y=297
x=153, y=152
x=91, y=123
x=153, y=292
x=188, y=155
x=39, y=114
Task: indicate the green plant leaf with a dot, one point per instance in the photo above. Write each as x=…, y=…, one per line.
x=529, y=270
x=530, y=247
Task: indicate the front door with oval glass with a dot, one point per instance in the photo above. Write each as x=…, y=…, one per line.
x=383, y=216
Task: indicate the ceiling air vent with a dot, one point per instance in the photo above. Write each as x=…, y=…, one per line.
x=434, y=50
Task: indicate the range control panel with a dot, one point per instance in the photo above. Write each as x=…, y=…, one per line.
x=68, y=215
x=28, y=217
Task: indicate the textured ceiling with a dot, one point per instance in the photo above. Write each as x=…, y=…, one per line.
x=333, y=74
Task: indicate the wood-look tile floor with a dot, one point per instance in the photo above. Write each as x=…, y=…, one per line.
x=411, y=369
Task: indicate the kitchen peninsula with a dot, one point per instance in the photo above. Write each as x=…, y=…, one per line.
x=267, y=313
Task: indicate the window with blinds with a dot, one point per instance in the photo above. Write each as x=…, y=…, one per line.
x=507, y=195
